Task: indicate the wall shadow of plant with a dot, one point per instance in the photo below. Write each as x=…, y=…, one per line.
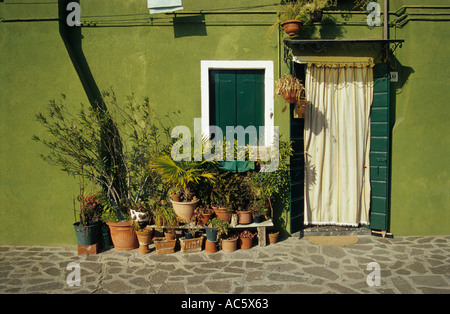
x=329, y=29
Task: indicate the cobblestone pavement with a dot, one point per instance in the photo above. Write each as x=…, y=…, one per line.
x=407, y=265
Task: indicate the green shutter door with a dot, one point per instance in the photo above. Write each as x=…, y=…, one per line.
x=379, y=149
x=237, y=98
x=297, y=169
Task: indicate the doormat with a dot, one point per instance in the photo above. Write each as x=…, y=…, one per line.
x=333, y=240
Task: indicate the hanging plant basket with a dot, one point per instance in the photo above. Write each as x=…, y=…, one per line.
x=292, y=27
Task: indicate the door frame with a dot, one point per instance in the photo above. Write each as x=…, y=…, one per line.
x=267, y=66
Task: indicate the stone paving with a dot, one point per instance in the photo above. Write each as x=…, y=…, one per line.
x=407, y=265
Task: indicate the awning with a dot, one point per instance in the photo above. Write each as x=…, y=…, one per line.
x=163, y=6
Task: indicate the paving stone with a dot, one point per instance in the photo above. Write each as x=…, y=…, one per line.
x=321, y=272
x=408, y=265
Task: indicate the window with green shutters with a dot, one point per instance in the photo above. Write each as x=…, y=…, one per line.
x=236, y=98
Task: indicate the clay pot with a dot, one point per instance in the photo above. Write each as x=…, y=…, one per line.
x=123, y=236
x=229, y=245
x=290, y=97
x=185, y=210
x=176, y=196
x=202, y=219
x=245, y=243
x=245, y=216
x=144, y=238
x=292, y=27
x=210, y=247
x=222, y=214
x=170, y=235
x=273, y=237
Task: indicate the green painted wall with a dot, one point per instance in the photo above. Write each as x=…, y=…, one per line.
x=420, y=201
x=161, y=60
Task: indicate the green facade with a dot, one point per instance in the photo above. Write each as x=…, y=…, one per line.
x=121, y=46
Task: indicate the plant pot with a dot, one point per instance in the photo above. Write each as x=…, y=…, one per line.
x=184, y=210
x=222, y=214
x=292, y=27
x=245, y=243
x=191, y=245
x=211, y=234
x=87, y=235
x=258, y=219
x=300, y=108
x=273, y=237
x=245, y=217
x=210, y=247
x=144, y=238
x=188, y=235
x=229, y=245
x=123, y=236
x=202, y=219
x=164, y=246
x=176, y=196
x=316, y=15
x=290, y=97
x=170, y=235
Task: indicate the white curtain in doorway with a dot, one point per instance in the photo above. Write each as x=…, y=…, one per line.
x=337, y=141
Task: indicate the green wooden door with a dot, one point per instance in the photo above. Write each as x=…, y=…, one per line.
x=297, y=171
x=236, y=98
x=380, y=149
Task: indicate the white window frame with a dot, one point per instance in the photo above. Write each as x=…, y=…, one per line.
x=267, y=66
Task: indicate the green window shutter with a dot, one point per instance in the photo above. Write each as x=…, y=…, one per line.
x=237, y=98
x=379, y=149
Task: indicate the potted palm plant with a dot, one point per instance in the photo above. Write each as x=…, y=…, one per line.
x=185, y=175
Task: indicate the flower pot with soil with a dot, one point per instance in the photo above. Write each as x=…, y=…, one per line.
x=223, y=213
x=246, y=239
x=123, y=236
x=229, y=244
x=273, y=237
x=144, y=237
x=210, y=246
x=245, y=216
x=87, y=235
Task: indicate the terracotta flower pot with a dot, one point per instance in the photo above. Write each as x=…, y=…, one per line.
x=292, y=27
x=144, y=238
x=184, y=210
x=245, y=243
x=290, y=97
x=229, y=245
x=245, y=217
x=210, y=247
x=176, y=196
x=123, y=236
x=202, y=219
x=222, y=214
x=170, y=235
x=273, y=237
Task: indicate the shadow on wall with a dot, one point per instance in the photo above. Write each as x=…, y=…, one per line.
x=193, y=25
